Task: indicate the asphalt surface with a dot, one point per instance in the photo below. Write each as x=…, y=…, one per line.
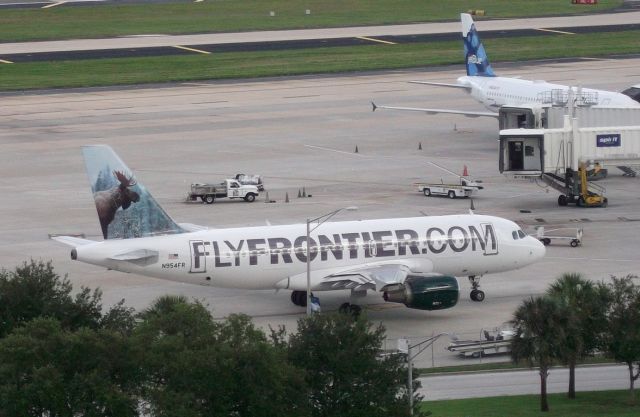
x=521, y=382
x=300, y=132
x=298, y=44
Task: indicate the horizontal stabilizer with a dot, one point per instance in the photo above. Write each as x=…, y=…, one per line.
x=72, y=241
x=462, y=86
x=445, y=111
x=190, y=227
x=135, y=255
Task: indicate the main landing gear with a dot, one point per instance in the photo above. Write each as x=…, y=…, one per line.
x=348, y=308
x=299, y=298
x=476, y=293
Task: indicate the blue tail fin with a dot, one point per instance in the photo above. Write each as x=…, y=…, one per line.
x=474, y=54
x=125, y=208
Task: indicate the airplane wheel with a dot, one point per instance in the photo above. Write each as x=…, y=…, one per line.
x=562, y=200
x=295, y=297
x=299, y=298
x=477, y=295
x=427, y=192
x=452, y=194
x=574, y=243
x=546, y=241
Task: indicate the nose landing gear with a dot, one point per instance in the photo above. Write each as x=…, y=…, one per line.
x=476, y=293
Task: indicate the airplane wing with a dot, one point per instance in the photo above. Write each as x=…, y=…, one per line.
x=436, y=111
x=373, y=276
x=462, y=86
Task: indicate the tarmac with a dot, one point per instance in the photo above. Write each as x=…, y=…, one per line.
x=301, y=132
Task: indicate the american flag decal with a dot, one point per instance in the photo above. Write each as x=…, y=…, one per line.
x=173, y=256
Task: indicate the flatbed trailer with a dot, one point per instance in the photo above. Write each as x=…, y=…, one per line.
x=492, y=344
x=573, y=235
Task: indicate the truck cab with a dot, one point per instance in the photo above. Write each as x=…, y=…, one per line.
x=236, y=190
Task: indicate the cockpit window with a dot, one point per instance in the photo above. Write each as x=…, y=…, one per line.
x=515, y=235
x=633, y=92
x=521, y=234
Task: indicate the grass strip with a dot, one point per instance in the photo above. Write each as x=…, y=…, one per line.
x=587, y=404
x=125, y=71
x=66, y=22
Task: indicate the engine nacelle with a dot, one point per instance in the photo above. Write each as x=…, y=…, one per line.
x=425, y=292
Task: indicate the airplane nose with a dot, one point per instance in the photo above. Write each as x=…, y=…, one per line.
x=537, y=250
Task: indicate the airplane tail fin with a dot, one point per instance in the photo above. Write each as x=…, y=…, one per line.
x=475, y=56
x=125, y=208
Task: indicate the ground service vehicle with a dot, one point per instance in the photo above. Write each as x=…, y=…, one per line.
x=490, y=343
x=230, y=188
x=464, y=189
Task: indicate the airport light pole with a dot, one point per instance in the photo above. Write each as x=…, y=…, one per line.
x=406, y=348
x=320, y=220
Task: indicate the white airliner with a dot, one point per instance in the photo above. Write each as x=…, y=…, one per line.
x=494, y=92
x=413, y=261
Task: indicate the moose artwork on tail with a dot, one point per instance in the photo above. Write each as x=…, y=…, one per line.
x=108, y=201
x=125, y=207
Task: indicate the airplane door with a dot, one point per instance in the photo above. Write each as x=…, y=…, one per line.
x=198, y=256
x=516, y=156
x=490, y=239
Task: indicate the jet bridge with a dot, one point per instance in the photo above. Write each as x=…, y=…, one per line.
x=558, y=156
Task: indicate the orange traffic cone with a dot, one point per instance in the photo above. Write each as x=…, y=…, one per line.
x=465, y=173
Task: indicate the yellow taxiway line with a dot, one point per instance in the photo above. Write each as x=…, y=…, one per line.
x=556, y=31
x=375, y=40
x=192, y=49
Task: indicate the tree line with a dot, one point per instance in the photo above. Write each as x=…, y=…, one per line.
x=61, y=355
x=575, y=319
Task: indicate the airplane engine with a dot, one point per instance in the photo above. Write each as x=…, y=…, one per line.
x=425, y=292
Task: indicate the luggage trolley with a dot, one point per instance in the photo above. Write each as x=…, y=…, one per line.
x=571, y=234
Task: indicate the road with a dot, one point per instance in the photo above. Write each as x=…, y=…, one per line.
x=493, y=384
x=148, y=41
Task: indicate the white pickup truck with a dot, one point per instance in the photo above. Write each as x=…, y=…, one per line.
x=465, y=188
x=230, y=188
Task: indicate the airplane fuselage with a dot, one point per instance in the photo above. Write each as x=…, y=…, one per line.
x=274, y=257
x=495, y=92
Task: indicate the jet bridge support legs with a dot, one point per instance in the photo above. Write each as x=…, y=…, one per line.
x=476, y=293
